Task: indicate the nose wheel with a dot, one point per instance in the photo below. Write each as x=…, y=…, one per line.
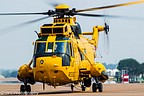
x=25, y=87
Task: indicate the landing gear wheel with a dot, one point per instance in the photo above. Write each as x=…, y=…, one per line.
x=100, y=87
x=25, y=88
x=28, y=88
x=22, y=88
x=83, y=87
x=94, y=87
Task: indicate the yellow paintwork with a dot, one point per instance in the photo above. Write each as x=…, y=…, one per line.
x=62, y=6
x=53, y=70
x=97, y=68
x=25, y=71
x=49, y=69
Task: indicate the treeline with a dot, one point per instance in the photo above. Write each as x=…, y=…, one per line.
x=8, y=73
x=133, y=67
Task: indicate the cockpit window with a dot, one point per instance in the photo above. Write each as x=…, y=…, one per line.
x=59, y=47
x=50, y=47
x=41, y=47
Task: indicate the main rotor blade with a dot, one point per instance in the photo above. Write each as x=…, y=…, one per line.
x=33, y=21
x=17, y=26
x=111, y=6
x=97, y=15
x=41, y=13
x=109, y=16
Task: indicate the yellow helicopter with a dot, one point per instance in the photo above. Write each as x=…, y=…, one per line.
x=62, y=53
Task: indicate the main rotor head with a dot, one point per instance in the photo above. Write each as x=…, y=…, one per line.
x=62, y=7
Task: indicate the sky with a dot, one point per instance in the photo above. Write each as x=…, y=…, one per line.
x=126, y=36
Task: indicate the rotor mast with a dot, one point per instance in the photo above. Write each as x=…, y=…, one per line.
x=64, y=15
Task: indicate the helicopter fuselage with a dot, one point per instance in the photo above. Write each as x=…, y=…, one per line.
x=63, y=55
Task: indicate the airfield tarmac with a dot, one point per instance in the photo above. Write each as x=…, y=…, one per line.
x=109, y=90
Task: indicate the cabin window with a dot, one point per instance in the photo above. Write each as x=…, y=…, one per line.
x=62, y=50
x=50, y=47
x=68, y=49
x=58, y=38
x=41, y=47
x=59, y=47
x=71, y=49
x=66, y=56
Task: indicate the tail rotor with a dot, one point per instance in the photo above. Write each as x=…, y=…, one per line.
x=106, y=38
